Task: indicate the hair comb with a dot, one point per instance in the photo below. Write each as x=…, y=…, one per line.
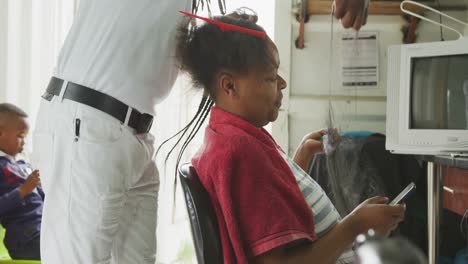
x=224, y=27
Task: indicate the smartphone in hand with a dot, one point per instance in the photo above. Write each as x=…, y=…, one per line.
x=404, y=194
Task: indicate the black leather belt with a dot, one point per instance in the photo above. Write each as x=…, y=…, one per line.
x=106, y=103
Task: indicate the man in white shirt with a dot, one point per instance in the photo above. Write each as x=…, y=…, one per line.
x=92, y=135
x=91, y=142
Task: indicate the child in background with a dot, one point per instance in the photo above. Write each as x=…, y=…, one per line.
x=21, y=197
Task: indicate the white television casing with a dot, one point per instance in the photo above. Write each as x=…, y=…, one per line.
x=400, y=138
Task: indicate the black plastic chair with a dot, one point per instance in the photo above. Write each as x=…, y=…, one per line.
x=203, y=222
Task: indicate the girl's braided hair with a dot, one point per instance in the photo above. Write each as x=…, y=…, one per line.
x=202, y=51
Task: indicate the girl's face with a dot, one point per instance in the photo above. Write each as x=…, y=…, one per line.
x=260, y=91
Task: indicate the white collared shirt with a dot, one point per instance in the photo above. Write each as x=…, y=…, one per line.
x=124, y=49
x=11, y=158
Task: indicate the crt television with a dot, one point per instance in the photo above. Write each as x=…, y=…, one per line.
x=427, y=98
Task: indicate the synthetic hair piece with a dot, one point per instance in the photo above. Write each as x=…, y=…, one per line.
x=196, y=5
x=193, y=126
x=184, y=130
x=197, y=120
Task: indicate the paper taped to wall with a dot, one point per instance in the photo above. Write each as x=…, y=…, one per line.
x=360, y=60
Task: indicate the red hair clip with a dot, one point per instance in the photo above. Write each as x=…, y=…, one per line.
x=224, y=27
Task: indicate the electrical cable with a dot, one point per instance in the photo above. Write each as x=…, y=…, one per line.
x=440, y=20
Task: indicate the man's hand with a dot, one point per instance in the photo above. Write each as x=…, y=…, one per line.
x=33, y=180
x=310, y=145
x=312, y=141
x=353, y=13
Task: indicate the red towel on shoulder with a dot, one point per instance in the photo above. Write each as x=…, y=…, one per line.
x=257, y=201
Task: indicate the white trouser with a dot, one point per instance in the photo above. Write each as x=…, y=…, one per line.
x=101, y=187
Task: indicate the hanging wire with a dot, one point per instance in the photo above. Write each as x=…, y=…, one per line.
x=330, y=69
x=440, y=20
x=180, y=135
x=247, y=14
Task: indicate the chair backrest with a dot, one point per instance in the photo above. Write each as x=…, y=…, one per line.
x=203, y=222
x=371, y=248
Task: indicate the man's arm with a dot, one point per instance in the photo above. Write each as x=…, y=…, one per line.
x=373, y=213
x=353, y=13
x=325, y=250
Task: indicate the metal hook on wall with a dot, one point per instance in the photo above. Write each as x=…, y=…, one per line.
x=302, y=17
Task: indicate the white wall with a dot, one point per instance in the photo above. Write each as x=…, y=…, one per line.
x=305, y=106
x=428, y=32
x=3, y=45
x=354, y=109
x=17, y=59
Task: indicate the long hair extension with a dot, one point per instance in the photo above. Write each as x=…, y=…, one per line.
x=195, y=124
x=196, y=119
x=204, y=113
x=203, y=109
x=193, y=133
x=183, y=130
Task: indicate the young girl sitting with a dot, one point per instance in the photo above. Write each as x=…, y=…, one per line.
x=268, y=209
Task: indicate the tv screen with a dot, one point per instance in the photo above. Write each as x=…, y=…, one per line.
x=439, y=92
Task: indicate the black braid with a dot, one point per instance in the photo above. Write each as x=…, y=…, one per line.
x=200, y=108
x=196, y=119
x=199, y=117
x=193, y=133
x=195, y=129
x=222, y=6
x=196, y=4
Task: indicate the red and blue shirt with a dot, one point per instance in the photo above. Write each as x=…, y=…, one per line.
x=20, y=216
